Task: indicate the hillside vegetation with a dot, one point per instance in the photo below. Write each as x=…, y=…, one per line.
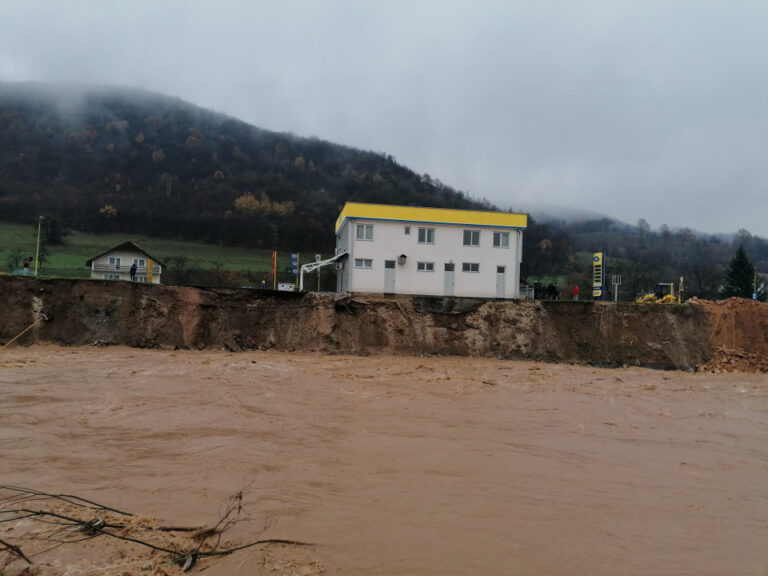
x=184, y=262
x=643, y=257
x=120, y=160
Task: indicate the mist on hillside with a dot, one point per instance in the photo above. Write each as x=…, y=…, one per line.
x=127, y=160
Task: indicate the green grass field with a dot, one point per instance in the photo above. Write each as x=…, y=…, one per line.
x=69, y=259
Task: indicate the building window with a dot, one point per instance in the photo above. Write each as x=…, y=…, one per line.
x=470, y=267
x=140, y=262
x=111, y=276
x=501, y=239
x=114, y=262
x=450, y=267
x=407, y=230
x=365, y=231
x=425, y=266
x=141, y=279
x=363, y=263
x=471, y=237
x=426, y=235
x=501, y=269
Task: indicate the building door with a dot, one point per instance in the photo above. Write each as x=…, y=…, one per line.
x=114, y=262
x=449, y=278
x=389, y=276
x=341, y=277
x=500, y=281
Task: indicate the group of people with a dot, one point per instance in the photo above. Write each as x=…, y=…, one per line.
x=550, y=291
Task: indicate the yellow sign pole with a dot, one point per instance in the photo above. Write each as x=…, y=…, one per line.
x=149, y=271
x=37, y=252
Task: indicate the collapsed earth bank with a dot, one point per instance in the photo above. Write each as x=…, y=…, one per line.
x=711, y=335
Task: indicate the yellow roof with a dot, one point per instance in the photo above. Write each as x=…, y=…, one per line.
x=480, y=218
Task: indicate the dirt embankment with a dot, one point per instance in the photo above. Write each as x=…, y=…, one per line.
x=726, y=335
x=738, y=335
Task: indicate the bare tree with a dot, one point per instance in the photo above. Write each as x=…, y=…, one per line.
x=15, y=256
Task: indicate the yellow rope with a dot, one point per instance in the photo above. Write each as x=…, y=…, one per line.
x=27, y=329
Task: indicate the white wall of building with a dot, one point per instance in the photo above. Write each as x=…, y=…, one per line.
x=342, y=275
x=423, y=272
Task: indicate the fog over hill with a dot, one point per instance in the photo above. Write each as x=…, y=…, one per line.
x=652, y=109
x=128, y=160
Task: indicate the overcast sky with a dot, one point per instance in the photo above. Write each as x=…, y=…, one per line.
x=654, y=109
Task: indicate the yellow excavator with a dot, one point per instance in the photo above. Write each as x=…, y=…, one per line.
x=663, y=294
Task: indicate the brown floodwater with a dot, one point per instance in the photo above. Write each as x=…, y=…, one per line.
x=398, y=465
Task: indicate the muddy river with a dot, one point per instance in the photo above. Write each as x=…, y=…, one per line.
x=393, y=465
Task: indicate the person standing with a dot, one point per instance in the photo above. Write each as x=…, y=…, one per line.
x=575, y=292
x=133, y=272
x=550, y=291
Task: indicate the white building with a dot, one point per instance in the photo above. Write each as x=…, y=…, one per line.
x=116, y=264
x=429, y=251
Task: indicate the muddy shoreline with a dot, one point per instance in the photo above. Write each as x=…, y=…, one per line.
x=95, y=312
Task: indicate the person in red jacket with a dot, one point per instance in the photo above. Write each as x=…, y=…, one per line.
x=575, y=292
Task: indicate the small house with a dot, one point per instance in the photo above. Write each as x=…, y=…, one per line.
x=116, y=264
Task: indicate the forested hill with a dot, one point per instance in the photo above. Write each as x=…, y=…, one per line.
x=124, y=160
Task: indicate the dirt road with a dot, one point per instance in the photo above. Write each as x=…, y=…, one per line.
x=394, y=465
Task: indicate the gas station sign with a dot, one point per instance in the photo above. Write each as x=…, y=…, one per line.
x=598, y=287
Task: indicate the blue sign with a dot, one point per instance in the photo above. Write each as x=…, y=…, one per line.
x=295, y=263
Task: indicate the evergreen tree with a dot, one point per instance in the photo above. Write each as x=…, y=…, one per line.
x=740, y=277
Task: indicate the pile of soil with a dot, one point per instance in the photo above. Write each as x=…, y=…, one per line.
x=735, y=360
x=738, y=335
